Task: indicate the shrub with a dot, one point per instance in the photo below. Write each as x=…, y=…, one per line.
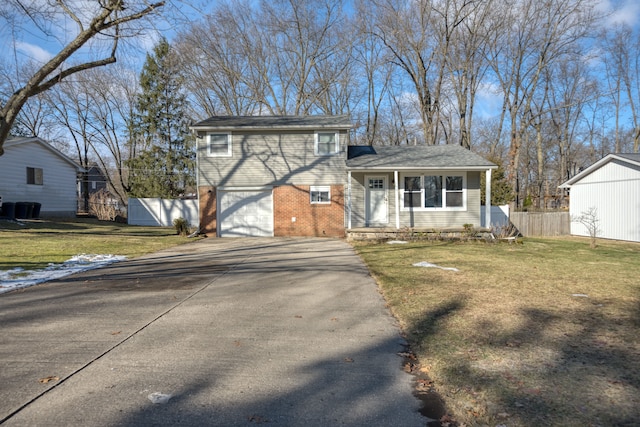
x=182, y=226
x=102, y=206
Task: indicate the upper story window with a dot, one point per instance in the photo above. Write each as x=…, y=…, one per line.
x=219, y=145
x=34, y=176
x=434, y=192
x=326, y=143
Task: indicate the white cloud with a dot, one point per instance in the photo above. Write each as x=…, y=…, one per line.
x=34, y=52
x=619, y=12
x=489, y=100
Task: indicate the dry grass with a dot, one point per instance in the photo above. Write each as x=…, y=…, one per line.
x=540, y=333
x=34, y=244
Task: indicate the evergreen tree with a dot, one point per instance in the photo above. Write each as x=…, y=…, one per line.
x=501, y=191
x=163, y=151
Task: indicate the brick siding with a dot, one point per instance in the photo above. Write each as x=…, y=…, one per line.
x=320, y=220
x=208, y=210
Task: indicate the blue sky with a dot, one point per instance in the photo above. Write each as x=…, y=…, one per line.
x=27, y=43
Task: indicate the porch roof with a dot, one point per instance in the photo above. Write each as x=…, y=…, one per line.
x=412, y=157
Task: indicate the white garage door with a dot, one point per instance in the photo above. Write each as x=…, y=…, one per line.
x=246, y=213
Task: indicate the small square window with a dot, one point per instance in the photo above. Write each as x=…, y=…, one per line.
x=320, y=195
x=219, y=145
x=326, y=143
x=34, y=176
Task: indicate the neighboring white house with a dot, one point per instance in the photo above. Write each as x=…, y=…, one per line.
x=31, y=170
x=612, y=187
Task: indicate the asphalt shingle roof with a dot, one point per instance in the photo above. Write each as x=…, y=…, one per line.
x=275, y=122
x=631, y=156
x=414, y=156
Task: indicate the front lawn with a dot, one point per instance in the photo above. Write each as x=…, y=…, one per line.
x=539, y=333
x=34, y=244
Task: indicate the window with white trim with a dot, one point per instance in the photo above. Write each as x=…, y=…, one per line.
x=219, y=145
x=326, y=143
x=429, y=192
x=320, y=195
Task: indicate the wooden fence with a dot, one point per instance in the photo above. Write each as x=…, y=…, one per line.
x=542, y=223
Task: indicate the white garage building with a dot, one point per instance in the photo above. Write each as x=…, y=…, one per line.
x=612, y=187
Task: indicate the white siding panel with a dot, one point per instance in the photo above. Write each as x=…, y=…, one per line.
x=58, y=194
x=614, y=190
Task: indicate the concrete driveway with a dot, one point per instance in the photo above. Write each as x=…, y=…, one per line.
x=231, y=332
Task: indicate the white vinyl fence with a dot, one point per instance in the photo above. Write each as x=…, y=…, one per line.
x=162, y=212
x=499, y=216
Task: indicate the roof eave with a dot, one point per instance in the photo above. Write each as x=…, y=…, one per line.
x=430, y=168
x=49, y=147
x=272, y=127
x=597, y=165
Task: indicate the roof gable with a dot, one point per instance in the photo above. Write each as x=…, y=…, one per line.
x=11, y=142
x=434, y=157
x=631, y=159
x=274, y=122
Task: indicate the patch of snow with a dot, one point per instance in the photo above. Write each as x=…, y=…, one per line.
x=396, y=242
x=158, y=397
x=20, y=278
x=580, y=295
x=429, y=265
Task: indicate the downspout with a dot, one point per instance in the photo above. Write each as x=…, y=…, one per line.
x=349, y=200
x=395, y=180
x=197, y=144
x=487, y=201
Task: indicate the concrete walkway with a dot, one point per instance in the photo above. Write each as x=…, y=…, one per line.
x=232, y=332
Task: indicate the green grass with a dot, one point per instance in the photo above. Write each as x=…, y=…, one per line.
x=510, y=338
x=35, y=244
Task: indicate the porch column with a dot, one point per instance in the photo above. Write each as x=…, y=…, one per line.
x=349, y=200
x=395, y=180
x=487, y=197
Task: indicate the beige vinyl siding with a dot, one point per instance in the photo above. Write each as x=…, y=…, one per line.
x=422, y=219
x=58, y=194
x=272, y=158
x=358, y=198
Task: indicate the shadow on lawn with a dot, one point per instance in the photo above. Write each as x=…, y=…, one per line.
x=587, y=376
x=83, y=226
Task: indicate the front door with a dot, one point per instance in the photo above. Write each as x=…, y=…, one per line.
x=376, y=200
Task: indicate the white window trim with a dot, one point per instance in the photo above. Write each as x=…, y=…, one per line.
x=444, y=176
x=336, y=148
x=319, y=189
x=229, y=152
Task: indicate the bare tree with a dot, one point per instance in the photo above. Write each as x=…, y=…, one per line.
x=104, y=20
x=528, y=37
x=94, y=109
x=590, y=220
x=370, y=55
x=280, y=57
x=466, y=61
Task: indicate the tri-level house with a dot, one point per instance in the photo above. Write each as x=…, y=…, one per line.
x=299, y=176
